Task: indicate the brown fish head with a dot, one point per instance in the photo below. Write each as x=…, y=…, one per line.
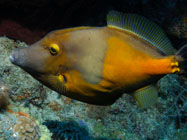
x=42, y=59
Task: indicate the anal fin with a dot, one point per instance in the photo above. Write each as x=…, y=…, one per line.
x=146, y=96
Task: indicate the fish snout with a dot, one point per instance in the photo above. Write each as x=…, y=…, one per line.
x=13, y=56
x=17, y=56
x=28, y=59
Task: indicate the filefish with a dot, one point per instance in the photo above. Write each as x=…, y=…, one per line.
x=96, y=65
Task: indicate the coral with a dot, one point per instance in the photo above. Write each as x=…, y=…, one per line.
x=55, y=106
x=26, y=128
x=97, y=112
x=71, y=130
x=174, y=88
x=21, y=89
x=4, y=94
x=14, y=126
x=67, y=130
x=181, y=134
x=45, y=133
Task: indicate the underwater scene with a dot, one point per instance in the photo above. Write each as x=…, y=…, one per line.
x=93, y=70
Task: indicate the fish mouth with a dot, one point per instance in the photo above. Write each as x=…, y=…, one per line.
x=19, y=57
x=11, y=58
x=15, y=57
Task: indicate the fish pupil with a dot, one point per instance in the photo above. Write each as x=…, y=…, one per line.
x=65, y=79
x=53, y=51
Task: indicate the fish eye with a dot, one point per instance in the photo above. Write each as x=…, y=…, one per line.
x=54, y=49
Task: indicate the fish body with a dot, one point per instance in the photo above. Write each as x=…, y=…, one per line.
x=97, y=65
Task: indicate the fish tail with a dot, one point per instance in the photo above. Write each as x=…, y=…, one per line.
x=181, y=58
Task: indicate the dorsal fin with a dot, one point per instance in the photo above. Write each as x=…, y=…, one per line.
x=141, y=27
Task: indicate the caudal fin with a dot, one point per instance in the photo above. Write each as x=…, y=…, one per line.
x=181, y=57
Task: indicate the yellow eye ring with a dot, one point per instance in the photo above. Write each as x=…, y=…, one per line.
x=54, y=49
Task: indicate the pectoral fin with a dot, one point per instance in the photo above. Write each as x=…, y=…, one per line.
x=56, y=82
x=146, y=96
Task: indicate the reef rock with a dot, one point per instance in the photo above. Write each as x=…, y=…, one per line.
x=18, y=127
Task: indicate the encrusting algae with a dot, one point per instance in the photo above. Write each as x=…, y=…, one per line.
x=97, y=65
